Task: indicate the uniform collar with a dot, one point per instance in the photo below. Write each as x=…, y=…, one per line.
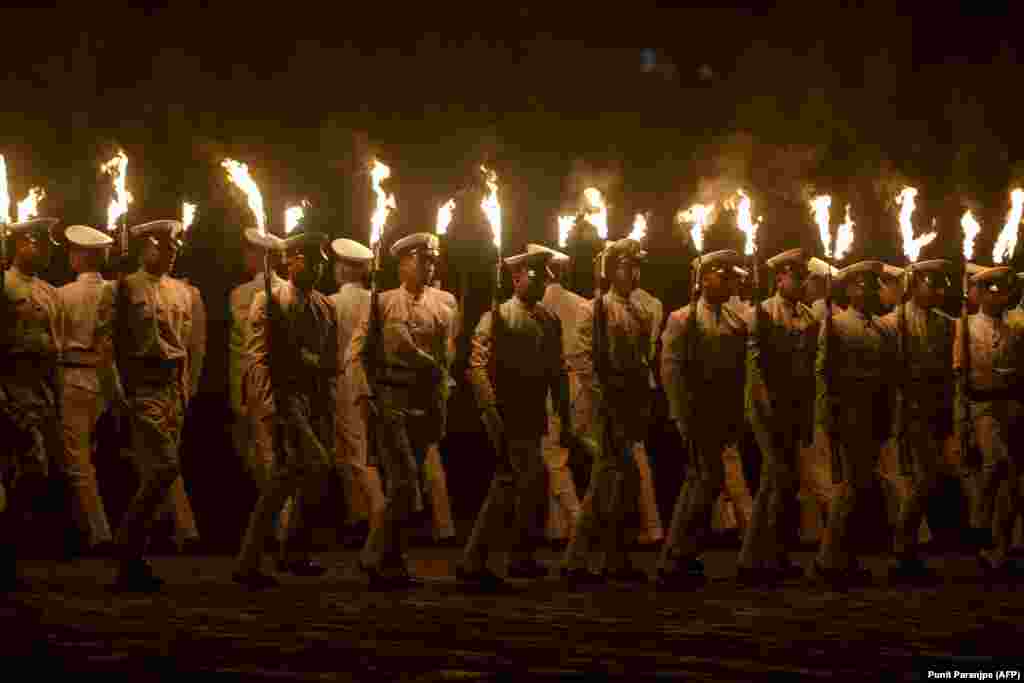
x=89, y=277
x=414, y=297
x=20, y=275
x=352, y=285
x=149, y=276
x=615, y=296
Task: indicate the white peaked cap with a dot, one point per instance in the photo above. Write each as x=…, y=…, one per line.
x=85, y=237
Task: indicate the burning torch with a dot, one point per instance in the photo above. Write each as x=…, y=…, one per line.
x=906, y=200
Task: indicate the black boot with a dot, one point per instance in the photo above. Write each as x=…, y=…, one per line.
x=137, y=576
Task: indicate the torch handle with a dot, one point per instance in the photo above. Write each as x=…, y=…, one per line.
x=693, y=332
x=904, y=455
x=965, y=371
x=831, y=405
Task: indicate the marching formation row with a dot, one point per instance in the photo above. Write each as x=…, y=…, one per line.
x=362, y=379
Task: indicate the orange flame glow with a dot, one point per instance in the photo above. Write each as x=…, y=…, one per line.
x=238, y=174
x=491, y=205
x=385, y=202
x=820, y=207
x=1007, y=242
x=699, y=216
x=844, y=236
x=117, y=169
x=293, y=215
x=911, y=246
x=971, y=230
x=597, y=215
x=188, y=214
x=745, y=220
x=5, y=197
x=444, y=216
x=565, y=224
x=639, y=228
x=29, y=206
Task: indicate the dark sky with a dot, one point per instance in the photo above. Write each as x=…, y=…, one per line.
x=645, y=102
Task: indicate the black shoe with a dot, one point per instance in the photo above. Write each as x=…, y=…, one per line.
x=756, y=576
x=255, y=580
x=834, y=578
x=192, y=546
x=789, y=572
x=162, y=545
x=628, y=575
x=301, y=568
x=912, y=571
x=483, y=579
x=447, y=542
x=1009, y=570
x=681, y=579
x=137, y=577
x=103, y=549
x=389, y=582
x=582, y=578
x=527, y=569
x=558, y=545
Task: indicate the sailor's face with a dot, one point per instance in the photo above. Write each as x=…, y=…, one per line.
x=159, y=254
x=529, y=282
x=626, y=275
x=996, y=299
x=36, y=249
x=791, y=282
x=720, y=284
x=890, y=293
x=931, y=289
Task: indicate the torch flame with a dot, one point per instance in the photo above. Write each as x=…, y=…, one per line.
x=117, y=169
x=639, y=228
x=911, y=246
x=5, y=198
x=598, y=213
x=238, y=174
x=293, y=215
x=844, y=236
x=565, y=224
x=491, y=206
x=385, y=202
x=188, y=214
x=700, y=216
x=971, y=229
x=1007, y=242
x=745, y=220
x=29, y=206
x=821, y=206
x=444, y=216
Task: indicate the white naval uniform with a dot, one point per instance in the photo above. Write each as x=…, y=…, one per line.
x=89, y=384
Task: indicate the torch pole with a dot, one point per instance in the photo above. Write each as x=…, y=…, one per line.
x=693, y=331
x=904, y=456
x=831, y=405
x=371, y=352
x=497, y=325
x=965, y=364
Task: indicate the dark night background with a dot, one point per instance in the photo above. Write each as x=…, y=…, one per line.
x=659, y=108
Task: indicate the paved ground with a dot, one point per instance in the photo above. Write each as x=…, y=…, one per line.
x=324, y=628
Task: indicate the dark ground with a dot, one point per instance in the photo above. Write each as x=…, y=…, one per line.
x=315, y=628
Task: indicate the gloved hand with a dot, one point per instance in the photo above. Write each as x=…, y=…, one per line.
x=494, y=425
